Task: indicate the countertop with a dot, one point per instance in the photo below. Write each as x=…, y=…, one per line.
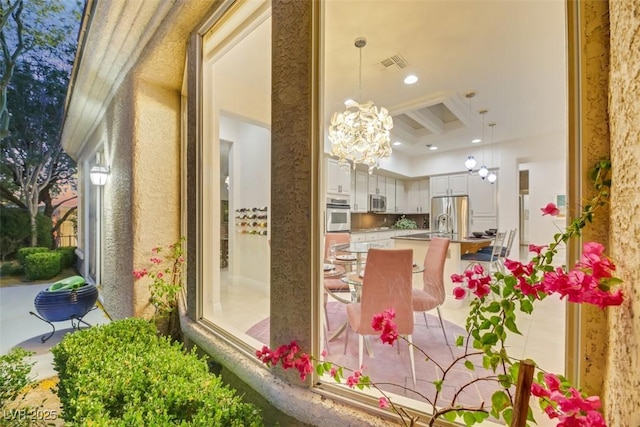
x=453, y=237
x=378, y=229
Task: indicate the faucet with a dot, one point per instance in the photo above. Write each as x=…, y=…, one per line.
x=444, y=223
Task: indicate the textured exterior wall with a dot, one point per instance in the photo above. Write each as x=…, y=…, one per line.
x=294, y=167
x=622, y=386
x=589, y=362
x=116, y=131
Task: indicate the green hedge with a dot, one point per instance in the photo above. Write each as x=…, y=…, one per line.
x=123, y=374
x=42, y=265
x=23, y=253
x=67, y=256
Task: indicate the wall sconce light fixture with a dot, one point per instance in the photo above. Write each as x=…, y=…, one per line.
x=99, y=175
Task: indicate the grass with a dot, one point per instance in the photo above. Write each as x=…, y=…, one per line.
x=6, y=281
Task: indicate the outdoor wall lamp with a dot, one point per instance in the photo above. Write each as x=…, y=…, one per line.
x=99, y=175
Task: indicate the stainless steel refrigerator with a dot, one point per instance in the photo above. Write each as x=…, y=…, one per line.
x=450, y=214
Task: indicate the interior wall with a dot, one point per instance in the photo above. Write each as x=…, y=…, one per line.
x=250, y=165
x=623, y=359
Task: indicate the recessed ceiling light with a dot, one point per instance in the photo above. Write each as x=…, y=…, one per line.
x=410, y=79
x=397, y=143
x=476, y=140
x=433, y=147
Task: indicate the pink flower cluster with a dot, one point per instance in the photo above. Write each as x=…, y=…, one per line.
x=138, y=274
x=289, y=355
x=474, y=280
x=568, y=405
x=585, y=283
x=383, y=323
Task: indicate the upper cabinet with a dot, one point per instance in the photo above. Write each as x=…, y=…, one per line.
x=401, y=196
x=450, y=185
x=360, y=191
x=483, y=197
x=418, y=200
x=377, y=185
x=338, y=178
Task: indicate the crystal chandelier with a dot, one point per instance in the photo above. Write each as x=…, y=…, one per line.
x=360, y=134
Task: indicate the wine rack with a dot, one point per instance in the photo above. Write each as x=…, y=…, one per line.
x=252, y=221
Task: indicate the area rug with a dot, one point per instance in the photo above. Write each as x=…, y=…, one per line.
x=394, y=369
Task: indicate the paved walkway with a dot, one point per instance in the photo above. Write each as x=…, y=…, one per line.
x=18, y=328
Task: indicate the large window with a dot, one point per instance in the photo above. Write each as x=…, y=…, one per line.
x=235, y=150
x=454, y=48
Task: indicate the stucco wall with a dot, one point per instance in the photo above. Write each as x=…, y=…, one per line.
x=623, y=371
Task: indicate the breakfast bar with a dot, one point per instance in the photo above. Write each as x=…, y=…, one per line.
x=458, y=245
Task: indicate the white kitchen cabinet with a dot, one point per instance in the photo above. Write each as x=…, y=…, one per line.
x=390, y=193
x=377, y=184
x=360, y=193
x=483, y=200
x=450, y=185
x=483, y=197
x=401, y=196
x=418, y=200
x=338, y=178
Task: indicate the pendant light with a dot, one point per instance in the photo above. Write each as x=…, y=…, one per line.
x=492, y=177
x=483, y=171
x=360, y=134
x=470, y=163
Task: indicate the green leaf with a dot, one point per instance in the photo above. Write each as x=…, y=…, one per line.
x=500, y=332
x=526, y=306
x=505, y=380
x=319, y=369
x=469, y=365
x=508, y=415
x=469, y=418
x=438, y=385
x=495, y=320
x=494, y=307
x=450, y=416
x=460, y=341
x=500, y=401
x=510, y=323
x=486, y=362
x=489, y=339
x=481, y=416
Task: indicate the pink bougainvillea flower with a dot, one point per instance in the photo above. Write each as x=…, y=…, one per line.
x=383, y=323
x=536, y=249
x=550, y=209
x=459, y=292
x=156, y=260
x=383, y=402
x=140, y=273
x=353, y=380
x=567, y=404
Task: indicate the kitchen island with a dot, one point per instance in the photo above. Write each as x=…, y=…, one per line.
x=458, y=245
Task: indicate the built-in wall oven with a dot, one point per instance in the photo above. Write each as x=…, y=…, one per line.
x=338, y=215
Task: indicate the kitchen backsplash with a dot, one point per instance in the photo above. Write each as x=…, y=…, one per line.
x=362, y=221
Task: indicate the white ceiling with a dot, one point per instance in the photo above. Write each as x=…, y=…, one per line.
x=510, y=53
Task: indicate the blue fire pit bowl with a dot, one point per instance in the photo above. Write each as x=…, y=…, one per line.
x=66, y=304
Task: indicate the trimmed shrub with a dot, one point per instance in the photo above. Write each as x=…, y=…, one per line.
x=124, y=374
x=23, y=253
x=42, y=265
x=14, y=371
x=43, y=232
x=11, y=268
x=67, y=256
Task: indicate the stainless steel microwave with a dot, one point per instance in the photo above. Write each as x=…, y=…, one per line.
x=377, y=203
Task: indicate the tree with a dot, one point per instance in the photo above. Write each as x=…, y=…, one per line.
x=38, y=44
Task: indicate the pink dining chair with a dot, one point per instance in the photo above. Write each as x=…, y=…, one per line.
x=432, y=294
x=386, y=284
